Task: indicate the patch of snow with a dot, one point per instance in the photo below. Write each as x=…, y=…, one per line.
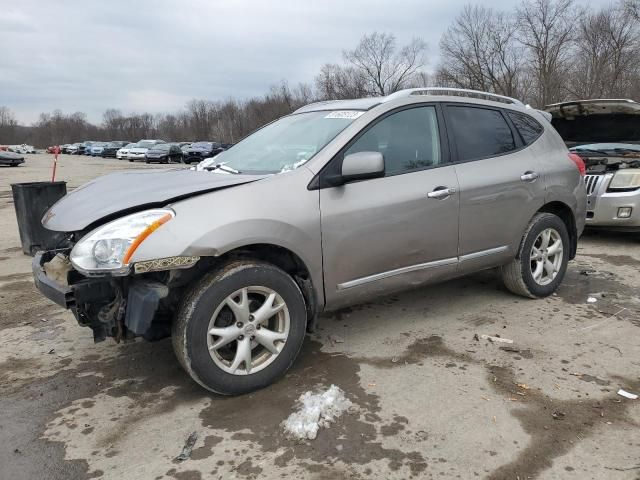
x=592, y=300
x=316, y=410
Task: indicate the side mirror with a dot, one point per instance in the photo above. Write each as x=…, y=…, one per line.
x=362, y=165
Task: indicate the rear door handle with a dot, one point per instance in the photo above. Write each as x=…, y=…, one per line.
x=441, y=193
x=529, y=176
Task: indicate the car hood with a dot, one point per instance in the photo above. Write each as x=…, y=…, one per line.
x=6, y=155
x=138, y=150
x=132, y=190
x=596, y=121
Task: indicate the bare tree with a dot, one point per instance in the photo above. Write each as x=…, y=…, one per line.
x=338, y=82
x=547, y=29
x=385, y=68
x=607, y=61
x=479, y=51
x=8, y=124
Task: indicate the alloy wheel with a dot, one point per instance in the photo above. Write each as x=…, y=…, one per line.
x=248, y=330
x=546, y=256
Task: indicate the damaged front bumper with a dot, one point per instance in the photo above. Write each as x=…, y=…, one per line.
x=119, y=307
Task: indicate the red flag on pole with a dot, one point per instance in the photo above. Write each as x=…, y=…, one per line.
x=56, y=151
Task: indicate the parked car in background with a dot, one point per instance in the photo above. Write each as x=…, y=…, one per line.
x=73, y=149
x=398, y=191
x=140, y=149
x=111, y=148
x=184, y=146
x=96, y=149
x=606, y=135
x=22, y=149
x=164, y=153
x=84, y=148
x=122, y=153
x=11, y=159
x=198, y=151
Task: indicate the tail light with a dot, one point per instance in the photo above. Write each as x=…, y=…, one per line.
x=577, y=159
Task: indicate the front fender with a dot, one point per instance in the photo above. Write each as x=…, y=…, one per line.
x=278, y=210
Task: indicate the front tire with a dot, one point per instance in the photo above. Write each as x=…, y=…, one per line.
x=240, y=328
x=542, y=259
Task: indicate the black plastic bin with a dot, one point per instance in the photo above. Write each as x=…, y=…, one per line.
x=31, y=201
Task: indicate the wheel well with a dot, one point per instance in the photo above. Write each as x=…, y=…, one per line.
x=565, y=213
x=287, y=261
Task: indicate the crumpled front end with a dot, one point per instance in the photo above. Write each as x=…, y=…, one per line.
x=141, y=304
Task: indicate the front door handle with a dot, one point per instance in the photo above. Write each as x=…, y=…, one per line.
x=441, y=193
x=529, y=176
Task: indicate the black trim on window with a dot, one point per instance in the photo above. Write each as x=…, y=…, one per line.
x=453, y=146
x=508, y=114
x=333, y=166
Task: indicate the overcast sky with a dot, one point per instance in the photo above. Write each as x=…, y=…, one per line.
x=155, y=55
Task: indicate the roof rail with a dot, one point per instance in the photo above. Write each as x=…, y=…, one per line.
x=459, y=92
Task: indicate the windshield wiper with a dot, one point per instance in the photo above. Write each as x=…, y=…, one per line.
x=626, y=150
x=223, y=167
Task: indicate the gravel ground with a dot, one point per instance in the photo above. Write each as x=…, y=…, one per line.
x=430, y=401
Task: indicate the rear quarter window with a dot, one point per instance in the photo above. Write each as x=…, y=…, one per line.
x=529, y=129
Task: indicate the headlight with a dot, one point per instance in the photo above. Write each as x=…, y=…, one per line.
x=108, y=248
x=626, y=179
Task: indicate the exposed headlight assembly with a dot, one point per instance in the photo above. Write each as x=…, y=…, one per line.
x=109, y=248
x=626, y=179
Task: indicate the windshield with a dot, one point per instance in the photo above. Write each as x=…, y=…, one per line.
x=202, y=145
x=130, y=145
x=286, y=143
x=145, y=144
x=162, y=147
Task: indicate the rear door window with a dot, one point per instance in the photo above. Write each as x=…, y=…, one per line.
x=529, y=129
x=479, y=132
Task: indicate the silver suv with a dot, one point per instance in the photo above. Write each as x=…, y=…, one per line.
x=338, y=203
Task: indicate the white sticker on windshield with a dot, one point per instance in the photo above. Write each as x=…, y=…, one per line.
x=352, y=114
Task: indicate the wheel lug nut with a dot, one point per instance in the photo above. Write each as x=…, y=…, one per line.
x=239, y=324
x=253, y=337
x=241, y=337
x=251, y=317
x=257, y=327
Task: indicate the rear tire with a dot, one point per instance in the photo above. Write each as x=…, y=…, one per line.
x=542, y=258
x=207, y=307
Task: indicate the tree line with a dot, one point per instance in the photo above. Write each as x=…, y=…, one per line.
x=542, y=51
